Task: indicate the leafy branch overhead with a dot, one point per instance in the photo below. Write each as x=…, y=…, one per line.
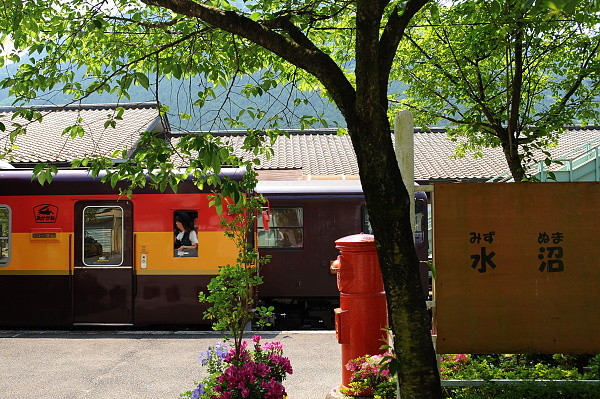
x=502, y=74
x=347, y=51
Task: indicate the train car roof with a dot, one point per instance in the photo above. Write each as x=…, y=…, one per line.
x=78, y=181
x=309, y=187
x=82, y=174
x=314, y=187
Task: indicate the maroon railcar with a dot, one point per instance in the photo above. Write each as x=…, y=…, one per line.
x=306, y=217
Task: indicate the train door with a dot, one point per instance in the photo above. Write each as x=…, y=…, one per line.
x=103, y=268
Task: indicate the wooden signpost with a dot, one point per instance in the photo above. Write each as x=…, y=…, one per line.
x=518, y=267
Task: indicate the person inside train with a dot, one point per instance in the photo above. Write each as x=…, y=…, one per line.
x=186, y=240
x=286, y=243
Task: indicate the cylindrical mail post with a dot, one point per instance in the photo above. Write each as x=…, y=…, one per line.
x=361, y=319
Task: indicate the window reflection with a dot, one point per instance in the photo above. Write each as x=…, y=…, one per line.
x=103, y=236
x=286, y=229
x=4, y=235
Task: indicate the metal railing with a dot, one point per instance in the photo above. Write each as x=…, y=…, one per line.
x=581, y=162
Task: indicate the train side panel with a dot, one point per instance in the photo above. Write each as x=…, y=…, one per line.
x=306, y=220
x=300, y=272
x=35, y=285
x=104, y=259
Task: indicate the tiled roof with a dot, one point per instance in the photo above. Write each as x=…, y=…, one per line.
x=434, y=158
x=308, y=154
x=315, y=152
x=44, y=141
x=320, y=154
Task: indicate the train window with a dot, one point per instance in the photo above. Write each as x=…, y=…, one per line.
x=419, y=214
x=418, y=222
x=103, y=236
x=286, y=229
x=366, y=223
x=4, y=235
x=185, y=233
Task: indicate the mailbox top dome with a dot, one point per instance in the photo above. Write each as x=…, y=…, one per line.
x=357, y=238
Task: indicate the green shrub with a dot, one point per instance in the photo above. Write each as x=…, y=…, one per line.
x=594, y=366
x=522, y=367
x=526, y=390
x=370, y=376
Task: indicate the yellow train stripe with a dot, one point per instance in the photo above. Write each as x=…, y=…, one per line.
x=214, y=250
x=53, y=257
x=13, y=272
x=175, y=272
x=10, y=272
x=40, y=255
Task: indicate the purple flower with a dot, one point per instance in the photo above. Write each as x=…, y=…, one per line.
x=274, y=390
x=198, y=391
x=205, y=357
x=256, y=339
x=282, y=362
x=221, y=349
x=273, y=346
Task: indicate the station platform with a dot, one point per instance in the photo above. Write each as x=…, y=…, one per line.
x=146, y=364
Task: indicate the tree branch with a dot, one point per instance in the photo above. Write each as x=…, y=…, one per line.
x=150, y=25
x=584, y=73
x=299, y=53
x=284, y=23
x=312, y=16
x=516, y=86
x=393, y=32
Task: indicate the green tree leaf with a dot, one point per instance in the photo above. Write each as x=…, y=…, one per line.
x=500, y=75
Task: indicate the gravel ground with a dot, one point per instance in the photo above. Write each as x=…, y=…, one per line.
x=144, y=364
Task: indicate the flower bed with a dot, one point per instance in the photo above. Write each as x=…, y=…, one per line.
x=252, y=373
x=370, y=378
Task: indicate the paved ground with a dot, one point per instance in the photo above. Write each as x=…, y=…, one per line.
x=144, y=365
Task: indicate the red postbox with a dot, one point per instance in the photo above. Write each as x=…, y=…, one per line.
x=361, y=319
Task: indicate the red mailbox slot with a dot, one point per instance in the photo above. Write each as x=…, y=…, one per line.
x=362, y=317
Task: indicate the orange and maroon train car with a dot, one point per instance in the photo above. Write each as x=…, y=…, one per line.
x=76, y=253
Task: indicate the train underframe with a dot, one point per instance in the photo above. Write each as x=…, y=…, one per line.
x=301, y=313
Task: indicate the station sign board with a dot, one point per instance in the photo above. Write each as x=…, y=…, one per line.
x=518, y=267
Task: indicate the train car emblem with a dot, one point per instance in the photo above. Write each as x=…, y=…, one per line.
x=45, y=213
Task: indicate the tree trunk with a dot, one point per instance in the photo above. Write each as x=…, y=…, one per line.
x=389, y=211
x=388, y=202
x=515, y=164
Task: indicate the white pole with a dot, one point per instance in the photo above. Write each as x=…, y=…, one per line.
x=404, y=148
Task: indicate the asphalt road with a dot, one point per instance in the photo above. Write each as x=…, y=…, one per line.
x=144, y=364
